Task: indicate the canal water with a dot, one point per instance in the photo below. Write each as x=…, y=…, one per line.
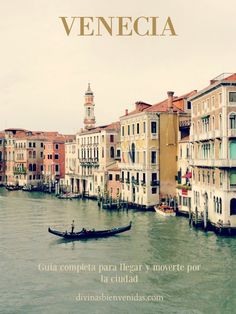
x=174, y=269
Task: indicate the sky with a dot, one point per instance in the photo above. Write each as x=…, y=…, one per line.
x=44, y=73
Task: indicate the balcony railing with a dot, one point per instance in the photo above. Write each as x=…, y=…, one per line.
x=219, y=163
x=143, y=183
x=184, y=187
x=232, y=133
x=19, y=171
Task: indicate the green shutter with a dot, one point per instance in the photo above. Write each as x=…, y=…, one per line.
x=233, y=177
x=233, y=150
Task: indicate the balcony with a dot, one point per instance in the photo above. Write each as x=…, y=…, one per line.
x=127, y=181
x=184, y=187
x=88, y=161
x=17, y=171
x=201, y=137
x=232, y=133
x=219, y=163
x=143, y=183
x=154, y=136
x=132, y=166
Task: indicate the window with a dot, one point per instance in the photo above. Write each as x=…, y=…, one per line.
x=153, y=157
x=144, y=127
x=221, y=178
x=128, y=129
x=144, y=157
x=137, y=128
x=153, y=127
x=133, y=152
x=133, y=129
x=213, y=177
x=123, y=130
x=189, y=105
x=41, y=145
x=110, y=177
x=34, y=145
x=117, y=177
x=118, y=153
x=232, y=121
x=144, y=177
x=232, y=148
x=56, y=156
x=233, y=206
x=112, y=138
x=154, y=190
x=232, y=178
x=232, y=96
x=57, y=168
x=34, y=167
x=112, y=152
x=56, y=146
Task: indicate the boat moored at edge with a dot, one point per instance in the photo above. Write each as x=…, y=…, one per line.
x=165, y=210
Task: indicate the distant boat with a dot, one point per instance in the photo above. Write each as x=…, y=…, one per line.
x=69, y=196
x=165, y=210
x=13, y=187
x=30, y=188
x=90, y=234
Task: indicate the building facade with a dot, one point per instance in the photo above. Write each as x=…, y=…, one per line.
x=184, y=174
x=213, y=140
x=149, y=141
x=2, y=158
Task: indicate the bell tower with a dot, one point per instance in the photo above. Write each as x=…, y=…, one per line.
x=89, y=120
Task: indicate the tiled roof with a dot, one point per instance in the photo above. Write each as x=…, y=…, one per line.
x=139, y=107
x=163, y=106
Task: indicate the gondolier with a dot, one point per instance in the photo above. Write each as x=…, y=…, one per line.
x=72, y=226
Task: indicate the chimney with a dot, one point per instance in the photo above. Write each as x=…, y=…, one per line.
x=170, y=99
x=126, y=112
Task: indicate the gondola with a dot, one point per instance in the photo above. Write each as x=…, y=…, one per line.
x=13, y=187
x=90, y=234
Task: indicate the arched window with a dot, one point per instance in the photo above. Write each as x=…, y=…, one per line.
x=214, y=200
x=233, y=206
x=30, y=154
x=89, y=111
x=0, y=156
x=112, y=152
x=30, y=167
